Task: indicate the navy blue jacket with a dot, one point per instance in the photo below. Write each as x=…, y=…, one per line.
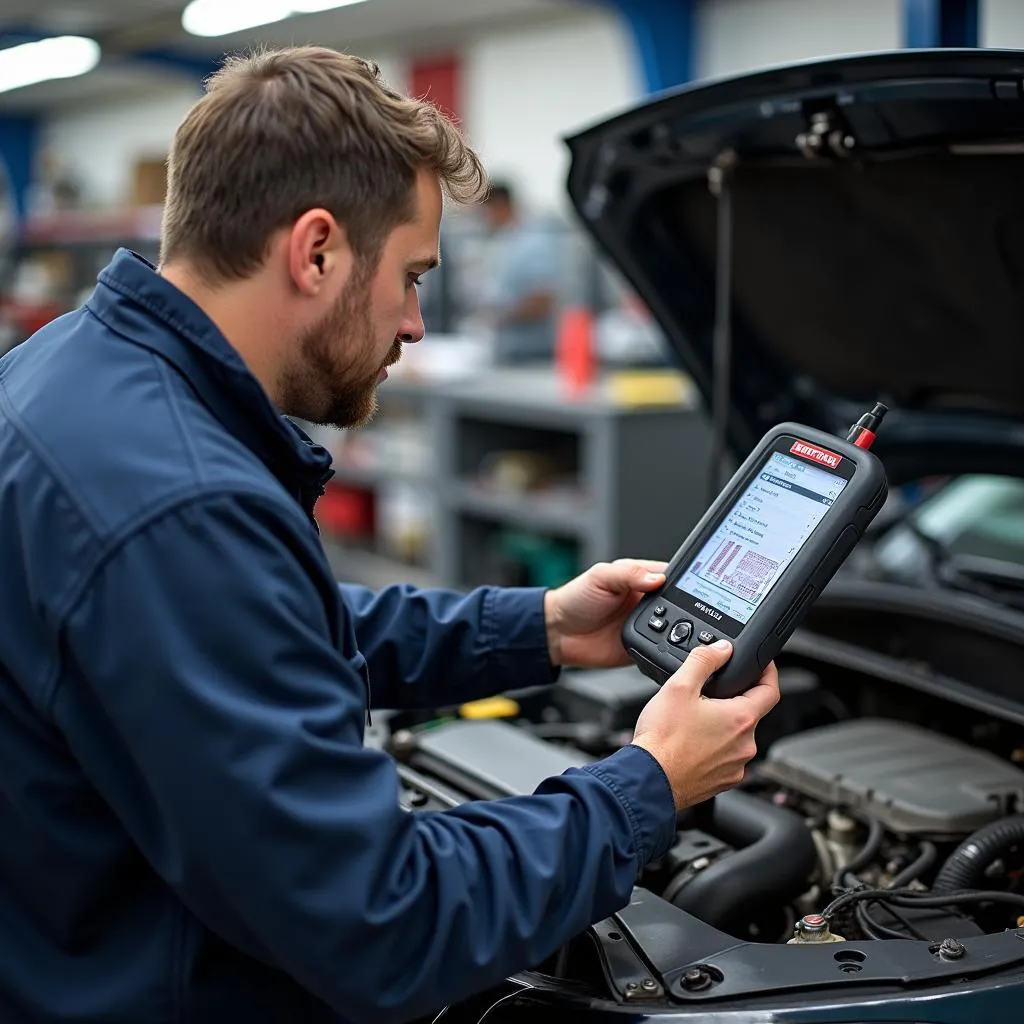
x=190, y=826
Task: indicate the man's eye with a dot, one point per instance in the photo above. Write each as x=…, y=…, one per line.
x=415, y=280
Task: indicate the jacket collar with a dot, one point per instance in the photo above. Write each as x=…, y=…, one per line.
x=147, y=310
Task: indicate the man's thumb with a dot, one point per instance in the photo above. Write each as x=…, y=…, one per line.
x=700, y=664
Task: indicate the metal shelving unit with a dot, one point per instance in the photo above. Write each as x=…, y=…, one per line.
x=637, y=488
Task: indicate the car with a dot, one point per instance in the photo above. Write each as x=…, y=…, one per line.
x=813, y=238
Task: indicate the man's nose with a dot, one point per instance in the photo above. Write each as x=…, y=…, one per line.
x=412, y=328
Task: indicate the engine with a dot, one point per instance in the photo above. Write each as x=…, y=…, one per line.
x=865, y=828
x=895, y=808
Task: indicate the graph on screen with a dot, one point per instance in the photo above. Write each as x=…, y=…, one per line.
x=760, y=536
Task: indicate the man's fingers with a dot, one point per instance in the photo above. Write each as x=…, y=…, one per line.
x=650, y=564
x=630, y=574
x=764, y=694
x=642, y=573
x=647, y=579
x=700, y=664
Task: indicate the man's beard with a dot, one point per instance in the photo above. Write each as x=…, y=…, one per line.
x=333, y=382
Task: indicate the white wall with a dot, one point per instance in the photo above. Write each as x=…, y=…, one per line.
x=527, y=87
x=740, y=35
x=101, y=141
x=1001, y=23
x=394, y=68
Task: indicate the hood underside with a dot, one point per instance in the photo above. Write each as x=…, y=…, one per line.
x=876, y=245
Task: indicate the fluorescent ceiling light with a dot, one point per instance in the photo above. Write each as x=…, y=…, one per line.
x=311, y=6
x=222, y=17
x=57, y=57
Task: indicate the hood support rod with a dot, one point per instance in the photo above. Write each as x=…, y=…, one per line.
x=720, y=186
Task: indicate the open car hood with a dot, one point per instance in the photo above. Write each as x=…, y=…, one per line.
x=877, y=244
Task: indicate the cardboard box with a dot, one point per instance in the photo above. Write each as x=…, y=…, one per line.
x=149, y=182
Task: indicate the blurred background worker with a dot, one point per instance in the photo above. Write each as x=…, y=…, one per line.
x=522, y=271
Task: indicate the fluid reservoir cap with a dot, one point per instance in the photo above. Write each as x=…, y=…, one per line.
x=814, y=928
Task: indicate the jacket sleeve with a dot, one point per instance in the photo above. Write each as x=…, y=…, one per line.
x=430, y=648
x=206, y=700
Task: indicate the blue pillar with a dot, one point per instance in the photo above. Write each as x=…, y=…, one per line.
x=931, y=23
x=19, y=137
x=664, y=32
x=198, y=68
x=960, y=23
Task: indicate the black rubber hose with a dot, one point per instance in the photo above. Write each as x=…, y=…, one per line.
x=912, y=872
x=773, y=863
x=966, y=866
x=864, y=857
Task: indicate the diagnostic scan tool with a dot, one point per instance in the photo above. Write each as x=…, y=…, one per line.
x=762, y=553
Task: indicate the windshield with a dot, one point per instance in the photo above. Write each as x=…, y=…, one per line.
x=979, y=516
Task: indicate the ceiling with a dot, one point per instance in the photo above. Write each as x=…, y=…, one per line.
x=127, y=28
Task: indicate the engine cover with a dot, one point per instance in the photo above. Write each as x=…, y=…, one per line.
x=915, y=782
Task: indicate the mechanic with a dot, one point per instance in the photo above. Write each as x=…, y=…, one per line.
x=192, y=827
x=521, y=280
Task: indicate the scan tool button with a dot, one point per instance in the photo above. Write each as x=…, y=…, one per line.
x=659, y=610
x=705, y=636
x=657, y=623
x=680, y=633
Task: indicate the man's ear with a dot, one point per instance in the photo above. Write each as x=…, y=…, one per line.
x=319, y=255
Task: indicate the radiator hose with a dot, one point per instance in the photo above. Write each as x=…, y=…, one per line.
x=774, y=860
x=966, y=866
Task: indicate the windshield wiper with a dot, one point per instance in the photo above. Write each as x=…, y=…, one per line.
x=994, y=579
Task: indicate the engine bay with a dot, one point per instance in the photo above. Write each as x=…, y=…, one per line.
x=883, y=826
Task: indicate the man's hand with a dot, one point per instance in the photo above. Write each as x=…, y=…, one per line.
x=585, y=617
x=703, y=744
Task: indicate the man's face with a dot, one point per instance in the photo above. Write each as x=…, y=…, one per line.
x=497, y=212
x=342, y=359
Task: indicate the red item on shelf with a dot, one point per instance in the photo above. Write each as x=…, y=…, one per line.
x=574, y=353
x=29, y=317
x=346, y=511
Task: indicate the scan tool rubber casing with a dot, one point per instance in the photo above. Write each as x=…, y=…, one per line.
x=759, y=640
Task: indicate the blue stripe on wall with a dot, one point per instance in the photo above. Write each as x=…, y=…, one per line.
x=664, y=32
x=930, y=23
x=19, y=137
x=960, y=23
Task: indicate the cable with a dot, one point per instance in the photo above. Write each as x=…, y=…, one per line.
x=857, y=895
x=876, y=930
x=871, y=928
x=862, y=913
x=914, y=933
x=913, y=871
x=1014, y=899
x=504, y=999
x=863, y=858
x=914, y=898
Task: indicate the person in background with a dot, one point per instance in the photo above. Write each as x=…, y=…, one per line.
x=522, y=276
x=193, y=826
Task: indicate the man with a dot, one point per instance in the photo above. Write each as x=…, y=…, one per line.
x=192, y=827
x=519, y=285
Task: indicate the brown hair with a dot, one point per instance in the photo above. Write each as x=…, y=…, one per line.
x=280, y=132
